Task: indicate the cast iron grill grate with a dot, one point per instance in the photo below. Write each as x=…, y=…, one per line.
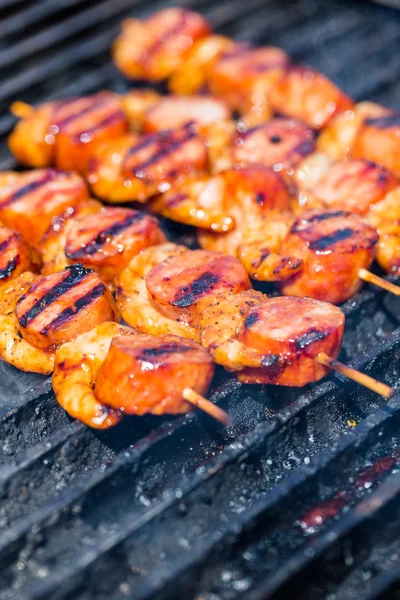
x=293, y=497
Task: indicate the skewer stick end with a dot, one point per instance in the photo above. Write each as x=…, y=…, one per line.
x=209, y=407
x=379, y=281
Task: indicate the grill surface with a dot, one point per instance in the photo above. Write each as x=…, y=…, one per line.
x=293, y=497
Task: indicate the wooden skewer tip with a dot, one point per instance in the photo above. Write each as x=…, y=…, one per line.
x=369, y=382
x=379, y=281
x=209, y=407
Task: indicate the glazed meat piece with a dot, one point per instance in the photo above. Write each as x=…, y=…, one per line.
x=133, y=168
x=193, y=74
x=136, y=103
x=243, y=76
x=154, y=48
x=52, y=244
x=106, y=240
x=14, y=349
x=29, y=200
x=385, y=217
x=246, y=194
x=76, y=367
x=175, y=111
x=272, y=340
x=308, y=95
x=334, y=246
x=337, y=138
x=145, y=374
x=354, y=185
x=378, y=139
x=279, y=143
x=59, y=307
x=15, y=255
x=65, y=134
x=165, y=289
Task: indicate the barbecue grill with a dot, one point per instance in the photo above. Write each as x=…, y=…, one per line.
x=301, y=497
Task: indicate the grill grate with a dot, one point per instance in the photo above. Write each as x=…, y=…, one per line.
x=167, y=508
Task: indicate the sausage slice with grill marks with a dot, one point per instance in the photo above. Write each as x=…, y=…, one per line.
x=272, y=340
x=76, y=367
x=60, y=306
x=243, y=76
x=378, y=139
x=334, y=246
x=154, y=48
x=106, y=241
x=16, y=256
x=134, y=168
x=147, y=374
x=30, y=200
x=66, y=133
x=354, y=185
x=279, y=143
x=305, y=94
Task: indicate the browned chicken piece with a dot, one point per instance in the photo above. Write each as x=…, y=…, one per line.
x=243, y=76
x=279, y=143
x=166, y=288
x=145, y=374
x=378, y=139
x=337, y=138
x=136, y=168
x=385, y=217
x=246, y=193
x=333, y=245
x=193, y=74
x=136, y=103
x=59, y=307
x=76, y=367
x=154, y=48
x=219, y=139
x=308, y=95
x=52, y=244
x=16, y=256
x=196, y=201
x=106, y=240
x=65, y=133
x=354, y=185
x=29, y=200
x=272, y=340
x=306, y=177
x=175, y=111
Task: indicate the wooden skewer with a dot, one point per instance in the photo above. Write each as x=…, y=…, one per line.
x=212, y=409
x=365, y=380
x=21, y=109
x=379, y=281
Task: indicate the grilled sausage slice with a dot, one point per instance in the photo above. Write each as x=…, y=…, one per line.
x=241, y=75
x=134, y=168
x=354, y=185
x=175, y=111
x=279, y=143
x=76, y=367
x=334, y=246
x=29, y=200
x=13, y=348
x=64, y=134
x=378, y=139
x=15, y=255
x=59, y=307
x=134, y=301
x=154, y=48
x=107, y=240
x=183, y=286
x=308, y=95
x=147, y=374
x=247, y=194
x=272, y=340
x=337, y=138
